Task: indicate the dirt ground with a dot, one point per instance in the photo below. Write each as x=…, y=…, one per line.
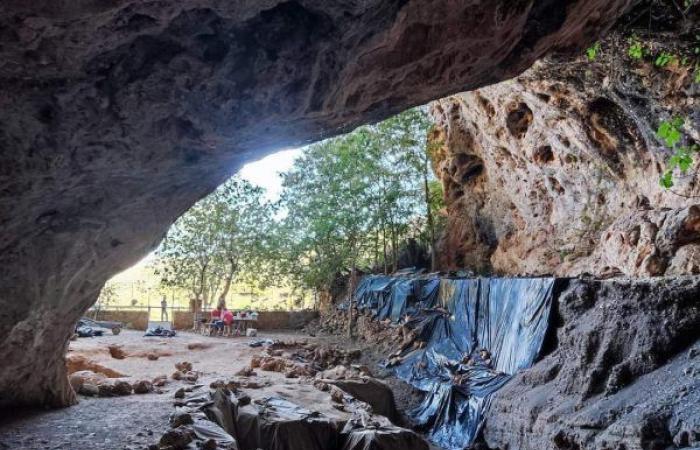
x=135, y=421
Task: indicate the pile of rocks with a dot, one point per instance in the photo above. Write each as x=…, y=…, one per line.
x=298, y=359
x=89, y=383
x=185, y=372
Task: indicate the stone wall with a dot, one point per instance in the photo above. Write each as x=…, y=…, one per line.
x=137, y=320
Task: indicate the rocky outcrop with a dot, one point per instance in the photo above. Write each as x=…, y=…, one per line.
x=117, y=116
x=557, y=171
x=623, y=372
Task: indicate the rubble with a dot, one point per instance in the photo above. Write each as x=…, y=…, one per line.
x=117, y=352
x=176, y=439
x=185, y=372
x=143, y=387
x=109, y=388
x=180, y=417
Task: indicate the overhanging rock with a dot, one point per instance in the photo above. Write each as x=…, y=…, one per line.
x=117, y=116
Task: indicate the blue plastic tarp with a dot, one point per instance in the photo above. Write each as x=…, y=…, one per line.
x=475, y=334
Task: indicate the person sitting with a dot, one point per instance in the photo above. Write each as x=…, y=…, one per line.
x=216, y=326
x=228, y=321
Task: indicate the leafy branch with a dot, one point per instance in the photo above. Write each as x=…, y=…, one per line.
x=671, y=134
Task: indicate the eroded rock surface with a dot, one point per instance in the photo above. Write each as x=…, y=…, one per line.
x=117, y=116
x=623, y=374
x=557, y=171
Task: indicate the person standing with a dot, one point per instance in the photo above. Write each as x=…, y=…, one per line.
x=164, y=310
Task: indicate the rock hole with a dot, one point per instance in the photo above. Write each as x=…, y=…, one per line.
x=555, y=185
x=519, y=120
x=543, y=155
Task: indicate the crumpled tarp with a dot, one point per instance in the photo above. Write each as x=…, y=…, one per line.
x=373, y=392
x=160, y=332
x=379, y=434
x=476, y=334
x=279, y=424
x=390, y=297
x=85, y=331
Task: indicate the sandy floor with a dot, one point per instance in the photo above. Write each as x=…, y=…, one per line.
x=135, y=421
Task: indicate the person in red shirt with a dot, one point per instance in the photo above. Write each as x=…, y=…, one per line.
x=217, y=325
x=227, y=317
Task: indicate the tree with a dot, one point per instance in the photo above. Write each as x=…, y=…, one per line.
x=107, y=297
x=220, y=237
x=349, y=201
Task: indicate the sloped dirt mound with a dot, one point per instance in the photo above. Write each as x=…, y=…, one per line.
x=75, y=363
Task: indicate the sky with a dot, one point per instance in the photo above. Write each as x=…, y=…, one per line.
x=265, y=172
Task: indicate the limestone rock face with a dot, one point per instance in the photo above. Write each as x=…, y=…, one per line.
x=557, y=171
x=623, y=372
x=117, y=116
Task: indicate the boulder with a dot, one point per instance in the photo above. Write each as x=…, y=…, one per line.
x=143, y=387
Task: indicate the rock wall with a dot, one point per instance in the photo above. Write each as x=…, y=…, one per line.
x=623, y=372
x=116, y=116
x=557, y=171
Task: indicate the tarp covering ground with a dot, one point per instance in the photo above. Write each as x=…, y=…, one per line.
x=472, y=335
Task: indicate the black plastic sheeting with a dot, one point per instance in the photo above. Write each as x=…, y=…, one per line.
x=394, y=297
x=477, y=332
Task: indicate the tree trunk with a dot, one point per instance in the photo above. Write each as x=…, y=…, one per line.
x=229, y=279
x=386, y=268
x=429, y=214
x=351, y=300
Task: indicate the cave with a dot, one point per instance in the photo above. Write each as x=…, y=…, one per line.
x=119, y=116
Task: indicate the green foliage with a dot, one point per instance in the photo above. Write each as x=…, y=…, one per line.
x=636, y=49
x=670, y=131
x=107, y=297
x=696, y=76
x=349, y=201
x=219, y=238
x=663, y=59
x=671, y=134
x=592, y=51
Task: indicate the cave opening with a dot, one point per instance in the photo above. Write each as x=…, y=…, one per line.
x=451, y=253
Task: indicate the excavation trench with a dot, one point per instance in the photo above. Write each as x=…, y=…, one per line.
x=464, y=359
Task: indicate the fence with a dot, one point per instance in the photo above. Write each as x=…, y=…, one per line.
x=137, y=317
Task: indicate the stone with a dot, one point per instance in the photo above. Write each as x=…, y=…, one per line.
x=209, y=444
x=89, y=389
x=100, y=90
x=337, y=395
x=116, y=352
x=191, y=376
x=78, y=379
x=179, y=418
x=245, y=372
x=160, y=380
x=112, y=388
x=143, y=387
x=184, y=366
x=177, y=438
